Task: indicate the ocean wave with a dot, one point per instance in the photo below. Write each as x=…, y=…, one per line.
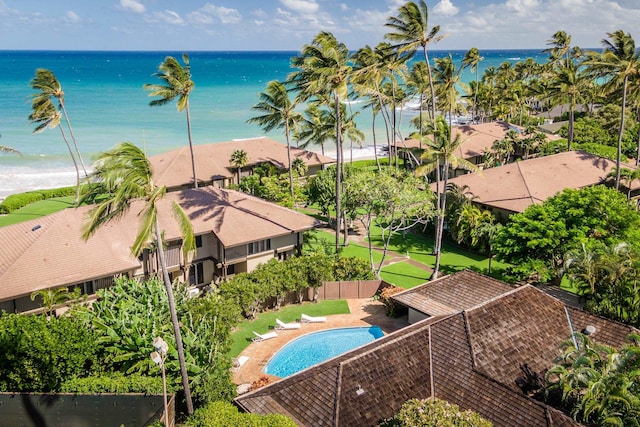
x=17, y=180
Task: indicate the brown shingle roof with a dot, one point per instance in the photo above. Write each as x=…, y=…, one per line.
x=54, y=254
x=453, y=293
x=470, y=358
x=173, y=168
x=515, y=186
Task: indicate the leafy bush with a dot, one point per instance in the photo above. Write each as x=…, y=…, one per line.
x=16, y=201
x=434, y=412
x=38, y=354
x=224, y=414
x=388, y=302
x=115, y=382
x=604, y=151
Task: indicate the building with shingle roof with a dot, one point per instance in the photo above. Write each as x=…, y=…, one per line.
x=213, y=167
x=471, y=358
x=511, y=188
x=234, y=233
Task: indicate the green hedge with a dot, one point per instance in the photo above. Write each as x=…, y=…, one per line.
x=223, y=414
x=17, y=201
x=115, y=382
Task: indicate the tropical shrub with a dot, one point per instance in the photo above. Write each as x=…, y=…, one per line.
x=130, y=314
x=224, y=414
x=387, y=301
x=39, y=354
x=434, y=412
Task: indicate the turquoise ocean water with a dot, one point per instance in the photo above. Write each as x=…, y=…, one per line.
x=106, y=104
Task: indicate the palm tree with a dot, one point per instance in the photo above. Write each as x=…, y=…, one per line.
x=8, y=150
x=410, y=30
x=471, y=59
x=175, y=83
x=238, y=160
x=561, y=43
x=323, y=72
x=627, y=176
x=447, y=81
x=121, y=176
x=440, y=156
x=315, y=127
x=48, y=86
x=618, y=63
x=45, y=115
x=55, y=296
x=278, y=113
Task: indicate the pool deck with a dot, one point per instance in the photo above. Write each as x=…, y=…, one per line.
x=363, y=312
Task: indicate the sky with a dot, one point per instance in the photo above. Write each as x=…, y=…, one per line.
x=230, y=25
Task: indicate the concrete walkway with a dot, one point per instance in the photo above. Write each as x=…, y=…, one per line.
x=363, y=312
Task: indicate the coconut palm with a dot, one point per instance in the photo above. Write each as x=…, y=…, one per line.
x=440, y=156
x=315, y=127
x=49, y=87
x=175, y=83
x=323, y=72
x=55, y=296
x=8, y=150
x=238, y=160
x=447, y=80
x=278, y=113
x=121, y=176
x=45, y=115
x=617, y=64
x=560, y=50
x=410, y=31
x=472, y=59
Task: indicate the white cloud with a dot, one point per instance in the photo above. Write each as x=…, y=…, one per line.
x=133, y=6
x=302, y=6
x=522, y=7
x=446, y=8
x=168, y=17
x=209, y=13
x=71, y=17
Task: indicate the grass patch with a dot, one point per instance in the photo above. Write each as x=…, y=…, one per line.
x=404, y=275
x=243, y=333
x=37, y=210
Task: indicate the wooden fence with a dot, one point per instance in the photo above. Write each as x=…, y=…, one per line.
x=356, y=289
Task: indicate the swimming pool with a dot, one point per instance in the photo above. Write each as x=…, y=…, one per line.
x=316, y=347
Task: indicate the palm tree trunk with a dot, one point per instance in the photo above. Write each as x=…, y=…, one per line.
x=638, y=152
x=75, y=164
x=375, y=147
x=336, y=100
x=571, y=119
x=73, y=137
x=193, y=157
x=286, y=134
x=621, y=130
x=433, y=93
x=174, y=319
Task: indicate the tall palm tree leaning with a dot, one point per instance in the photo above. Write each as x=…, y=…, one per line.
x=45, y=115
x=278, y=113
x=439, y=157
x=618, y=63
x=472, y=59
x=323, y=72
x=176, y=83
x=409, y=31
x=123, y=175
x=48, y=86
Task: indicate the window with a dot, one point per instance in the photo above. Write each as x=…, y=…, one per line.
x=231, y=269
x=198, y=241
x=257, y=247
x=196, y=274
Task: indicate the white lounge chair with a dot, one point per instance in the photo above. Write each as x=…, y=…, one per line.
x=262, y=337
x=310, y=319
x=281, y=325
x=238, y=362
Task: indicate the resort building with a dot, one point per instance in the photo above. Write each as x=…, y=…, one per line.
x=511, y=188
x=472, y=347
x=213, y=162
x=234, y=233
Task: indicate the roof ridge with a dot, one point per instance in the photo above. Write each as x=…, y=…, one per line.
x=524, y=181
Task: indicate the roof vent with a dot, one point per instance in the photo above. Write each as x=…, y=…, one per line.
x=589, y=330
x=360, y=390
x=36, y=227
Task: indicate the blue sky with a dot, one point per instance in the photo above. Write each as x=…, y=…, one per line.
x=288, y=24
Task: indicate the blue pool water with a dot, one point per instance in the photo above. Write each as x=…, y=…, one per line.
x=316, y=347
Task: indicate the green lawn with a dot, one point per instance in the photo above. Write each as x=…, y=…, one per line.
x=404, y=275
x=37, y=210
x=243, y=333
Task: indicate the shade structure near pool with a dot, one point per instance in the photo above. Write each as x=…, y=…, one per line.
x=316, y=347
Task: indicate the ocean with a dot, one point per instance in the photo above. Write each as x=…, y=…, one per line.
x=106, y=104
